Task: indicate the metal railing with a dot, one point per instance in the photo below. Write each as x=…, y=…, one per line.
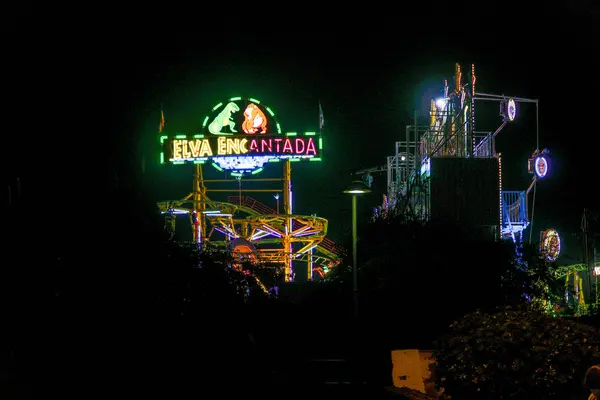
x=436, y=143
x=261, y=208
x=482, y=146
x=514, y=209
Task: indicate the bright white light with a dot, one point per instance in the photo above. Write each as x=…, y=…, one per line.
x=402, y=158
x=355, y=191
x=512, y=109
x=440, y=103
x=425, y=167
x=241, y=163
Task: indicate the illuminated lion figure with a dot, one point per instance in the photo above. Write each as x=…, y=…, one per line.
x=254, y=120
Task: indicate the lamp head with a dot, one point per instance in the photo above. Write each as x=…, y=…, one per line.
x=357, y=187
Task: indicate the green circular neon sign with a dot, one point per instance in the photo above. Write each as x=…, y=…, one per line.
x=240, y=117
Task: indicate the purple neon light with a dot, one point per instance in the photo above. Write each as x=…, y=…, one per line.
x=229, y=234
x=543, y=170
x=307, y=233
x=272, y=231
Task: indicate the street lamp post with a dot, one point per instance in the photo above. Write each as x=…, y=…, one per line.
x=356, y=188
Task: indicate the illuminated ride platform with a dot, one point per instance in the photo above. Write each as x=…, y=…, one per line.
x=581, y=294
x=250, y=230
x=241, y=144
x=449, y=169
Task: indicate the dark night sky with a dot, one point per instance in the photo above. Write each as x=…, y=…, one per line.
x=370, y=78
x=81, y=92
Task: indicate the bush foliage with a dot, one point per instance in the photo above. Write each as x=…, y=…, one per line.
x=517, y=354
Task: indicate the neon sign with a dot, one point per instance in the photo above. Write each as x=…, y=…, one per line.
x=541, y=166
x=539, y=163
x=240, y=135
x=194, y=148
x=511, y=110
x=550, y=244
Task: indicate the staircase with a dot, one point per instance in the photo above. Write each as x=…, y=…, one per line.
x=514, y=212
x=254, y=204
x=247, y=201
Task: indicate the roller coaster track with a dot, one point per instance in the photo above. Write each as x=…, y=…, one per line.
x=327, y=247
x=257, y=211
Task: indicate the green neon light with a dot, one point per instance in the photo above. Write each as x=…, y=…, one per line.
x=217, y=167
x=309, y=133
x=291, y=134
x=273, y=159
x=199, y=162
x=227, y=108
x=162, y=157
x=320, y=143
x=162, y=139
x=180, y=136
x=294, y=159
x=178, y=162
x=223, y=119
x=315, y=159
x=236, y=174
x=256, y=171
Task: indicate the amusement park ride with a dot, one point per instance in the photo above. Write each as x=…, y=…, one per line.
x=450, y=170
x=240, y=137
x=447, y=169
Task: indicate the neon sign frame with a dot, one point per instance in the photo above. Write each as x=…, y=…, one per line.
x=550, y=244
x=511, y=109
x=240, y=135
x=540, y=166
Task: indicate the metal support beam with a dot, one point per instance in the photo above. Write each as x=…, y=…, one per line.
x=495, y=97
x=287, y=209
x=354, y=257
x=245, y=180
x=244, y=190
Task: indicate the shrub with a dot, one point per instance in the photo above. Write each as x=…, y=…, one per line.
x=517, y=354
